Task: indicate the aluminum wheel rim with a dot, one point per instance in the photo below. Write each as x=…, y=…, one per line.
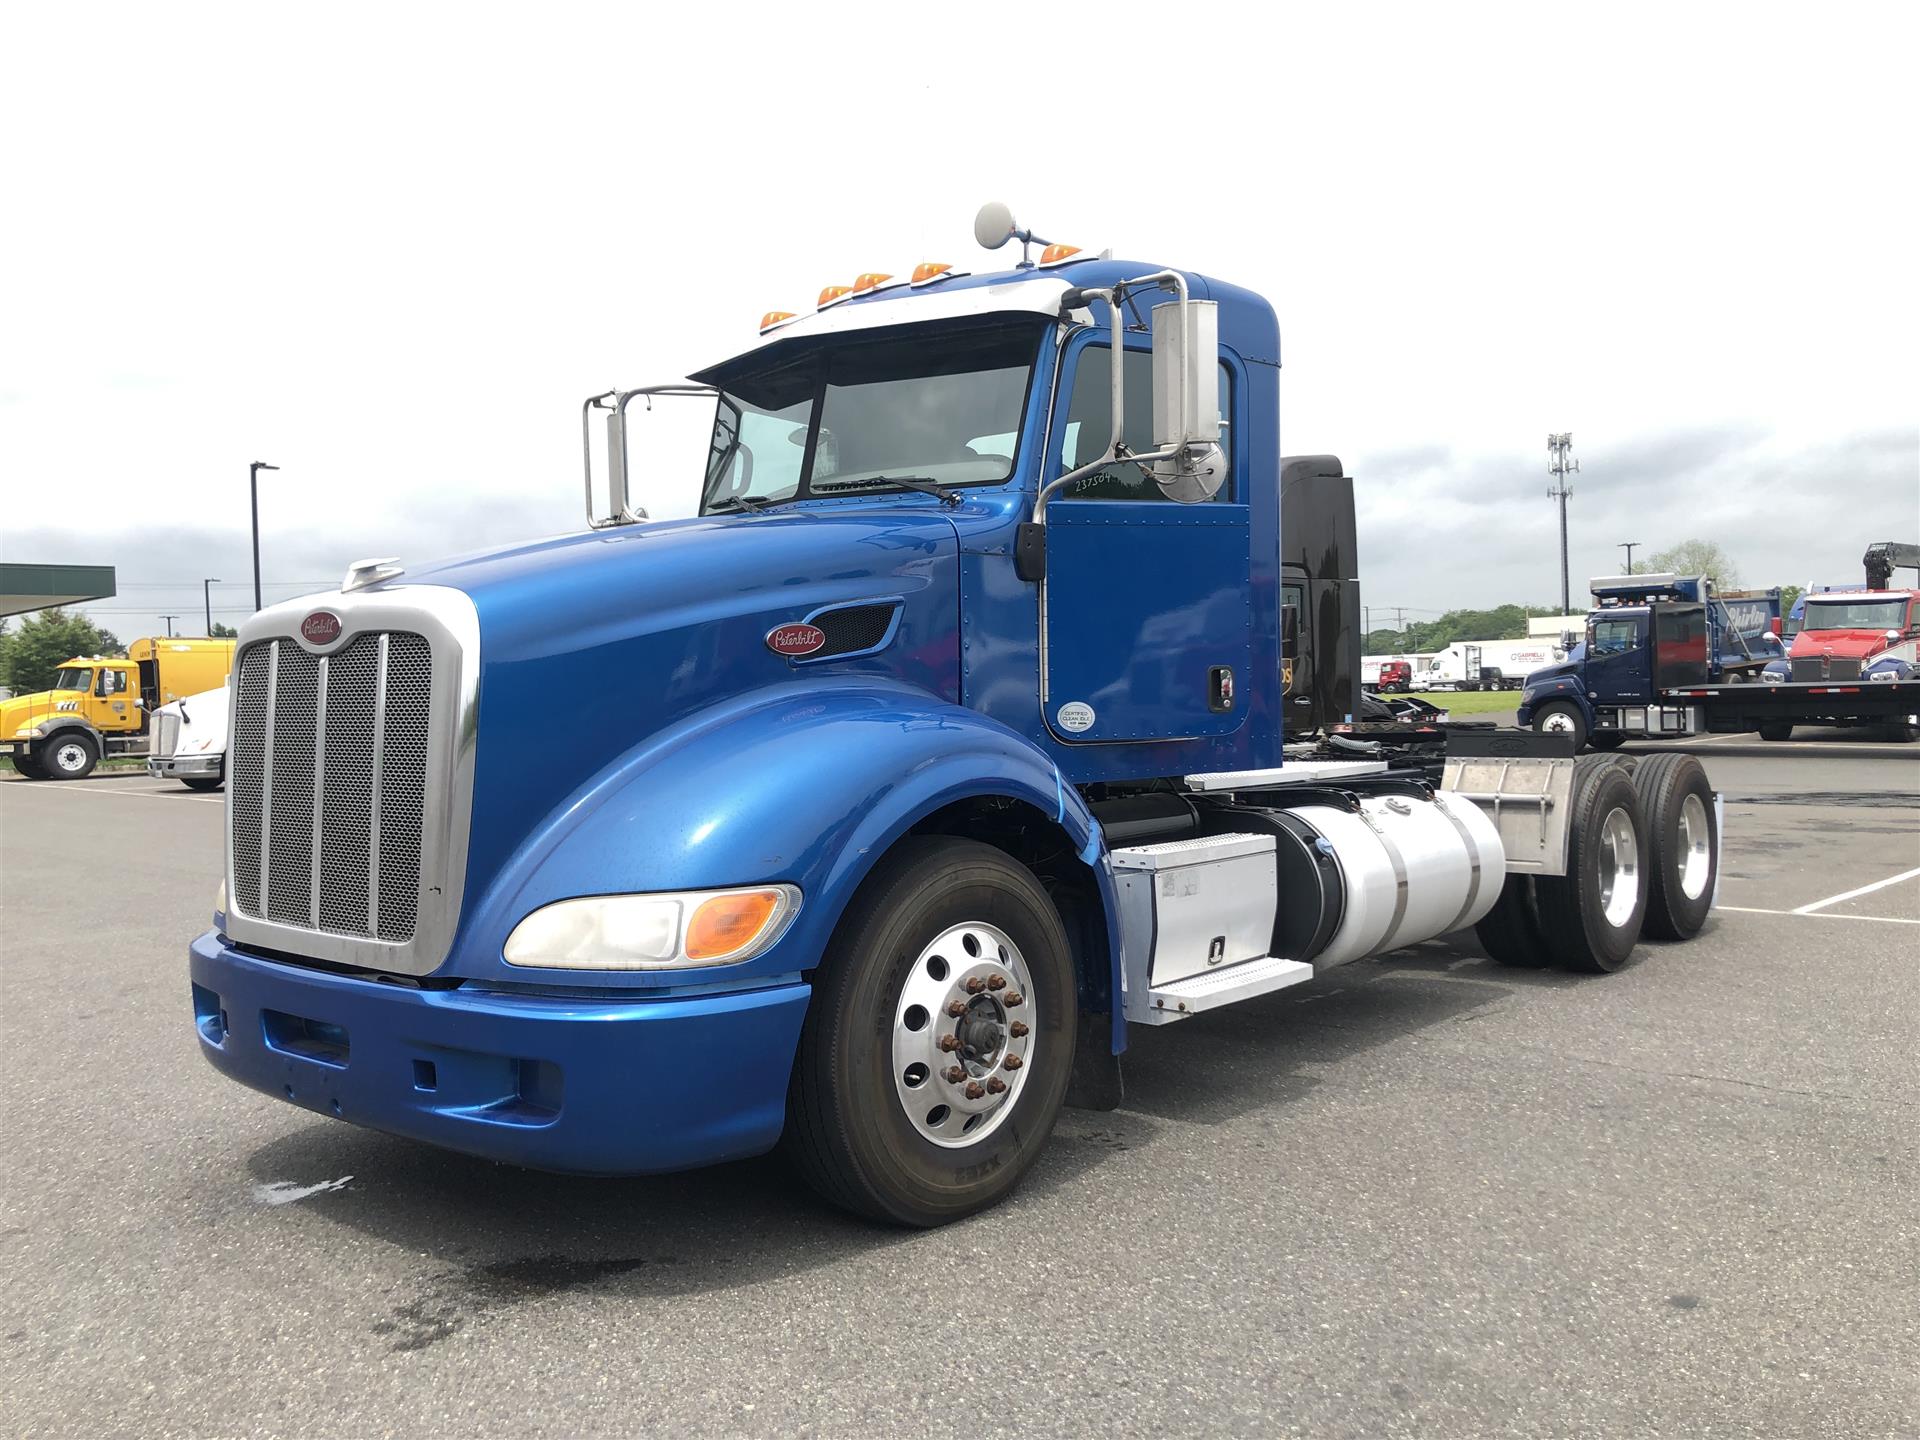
x=963, y=1035
x=1696, y=848
x=70, y=756
x=1559, y=722
x=1619, y=867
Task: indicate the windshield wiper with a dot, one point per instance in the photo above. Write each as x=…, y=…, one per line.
x=944, y=494
x=755, y=503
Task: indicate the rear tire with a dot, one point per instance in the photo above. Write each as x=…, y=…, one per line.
x=1591, y=916
x=69, y=755
x=1685, y=840
x=1776, y=730
x=1510, y=932
x=1606, y=740
x=1560, y=718
x=1902, y=732
x=877, y=1126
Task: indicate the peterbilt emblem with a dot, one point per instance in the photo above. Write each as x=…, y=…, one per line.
x=794, y=641
x=322, y=627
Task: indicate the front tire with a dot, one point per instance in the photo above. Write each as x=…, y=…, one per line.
x=203, y=782
x=901, y=1109
x=1686, y=844
x=70, y=755
x=27, y=767
x=1591, y=916
x=1560, y=718
x=1776, y=730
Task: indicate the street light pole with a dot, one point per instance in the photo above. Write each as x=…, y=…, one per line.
x=169, y=619
x=206, y=594
x=1562, y=467
x=1627, y=545
x=253, y=485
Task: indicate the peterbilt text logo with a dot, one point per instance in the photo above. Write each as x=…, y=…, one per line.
x=795, y=640
x=322, y=627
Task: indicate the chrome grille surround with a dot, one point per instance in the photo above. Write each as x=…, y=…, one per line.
x=166, y=734
x=350, y=786
x=1824, y=667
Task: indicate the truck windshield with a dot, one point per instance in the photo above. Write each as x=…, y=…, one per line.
x=73, y=678
x=860, y=415
x=1889, y=614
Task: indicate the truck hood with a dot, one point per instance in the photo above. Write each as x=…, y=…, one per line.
x=23, y=712
x=1859, y=643
x=589, y=644
x=1565, y=669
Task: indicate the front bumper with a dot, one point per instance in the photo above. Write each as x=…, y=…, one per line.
x=615, y=1086
x=179, y=767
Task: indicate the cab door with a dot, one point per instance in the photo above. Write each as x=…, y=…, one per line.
x=109, y=706
x=1619, y=663
x=1148, y=602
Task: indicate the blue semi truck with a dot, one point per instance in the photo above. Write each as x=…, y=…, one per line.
x=946, y=741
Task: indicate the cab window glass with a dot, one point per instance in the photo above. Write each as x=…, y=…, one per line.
x=1090, y=425
x=112, y=682
x=1612, y=637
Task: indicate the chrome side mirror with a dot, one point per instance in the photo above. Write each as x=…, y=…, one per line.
x=1186, y=399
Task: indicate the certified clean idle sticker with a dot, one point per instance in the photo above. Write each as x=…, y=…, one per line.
x=1075, y=716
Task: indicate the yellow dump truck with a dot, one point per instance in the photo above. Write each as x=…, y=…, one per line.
x=101, y=705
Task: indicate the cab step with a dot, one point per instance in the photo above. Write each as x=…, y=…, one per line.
x=1164, y=1004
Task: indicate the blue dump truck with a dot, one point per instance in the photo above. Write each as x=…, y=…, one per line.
x=1606, y=692
x=862, y=813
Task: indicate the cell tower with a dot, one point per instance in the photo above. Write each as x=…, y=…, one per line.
x=1562, y=467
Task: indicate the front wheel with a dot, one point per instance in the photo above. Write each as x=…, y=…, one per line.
x=70, y=755
x=1776, y=730
x=1560, y=718
x=27, y=767
x=203, y=782
x=937, y=1050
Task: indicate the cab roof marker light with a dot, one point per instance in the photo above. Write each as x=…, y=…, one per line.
x=932, y=272
x=833, y=295
x=874, y=281
x=774, y=319
x=1060, y=255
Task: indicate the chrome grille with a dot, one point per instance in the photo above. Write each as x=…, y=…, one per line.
x=1825, y=667
x=166, y=734
x=328, y=784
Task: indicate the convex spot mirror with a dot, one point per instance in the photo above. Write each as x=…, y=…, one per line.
x=1186, y=400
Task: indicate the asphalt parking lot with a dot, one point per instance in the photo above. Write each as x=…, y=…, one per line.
x=1425, y=1196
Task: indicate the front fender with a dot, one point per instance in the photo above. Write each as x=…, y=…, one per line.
x=1559, y=687
x=806, y=784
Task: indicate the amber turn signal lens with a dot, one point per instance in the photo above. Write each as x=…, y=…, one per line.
x=727, y=924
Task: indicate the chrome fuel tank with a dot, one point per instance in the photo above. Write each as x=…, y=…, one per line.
x=1411, y=869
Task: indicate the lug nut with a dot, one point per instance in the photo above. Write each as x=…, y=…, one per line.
x=975, y=1090
x=1012, y=999
x=956, y=1008
x=996, y=1086
x=954, y=1074
x=949, y=1043
x=1017, y=1029
x=974, y=985
x=996, y=982
x=1013, y=1062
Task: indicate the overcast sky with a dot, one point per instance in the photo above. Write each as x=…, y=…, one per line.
x=390, y=249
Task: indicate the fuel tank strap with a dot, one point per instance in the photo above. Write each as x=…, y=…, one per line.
x=1473, y=860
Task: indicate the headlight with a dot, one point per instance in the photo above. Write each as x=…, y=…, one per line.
x=1770, y=677
x=653, y=932
x=1885, y=675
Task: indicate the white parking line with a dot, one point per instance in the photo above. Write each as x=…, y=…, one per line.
x=1816, y=915
x=95, y=787
x=1863, y=890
